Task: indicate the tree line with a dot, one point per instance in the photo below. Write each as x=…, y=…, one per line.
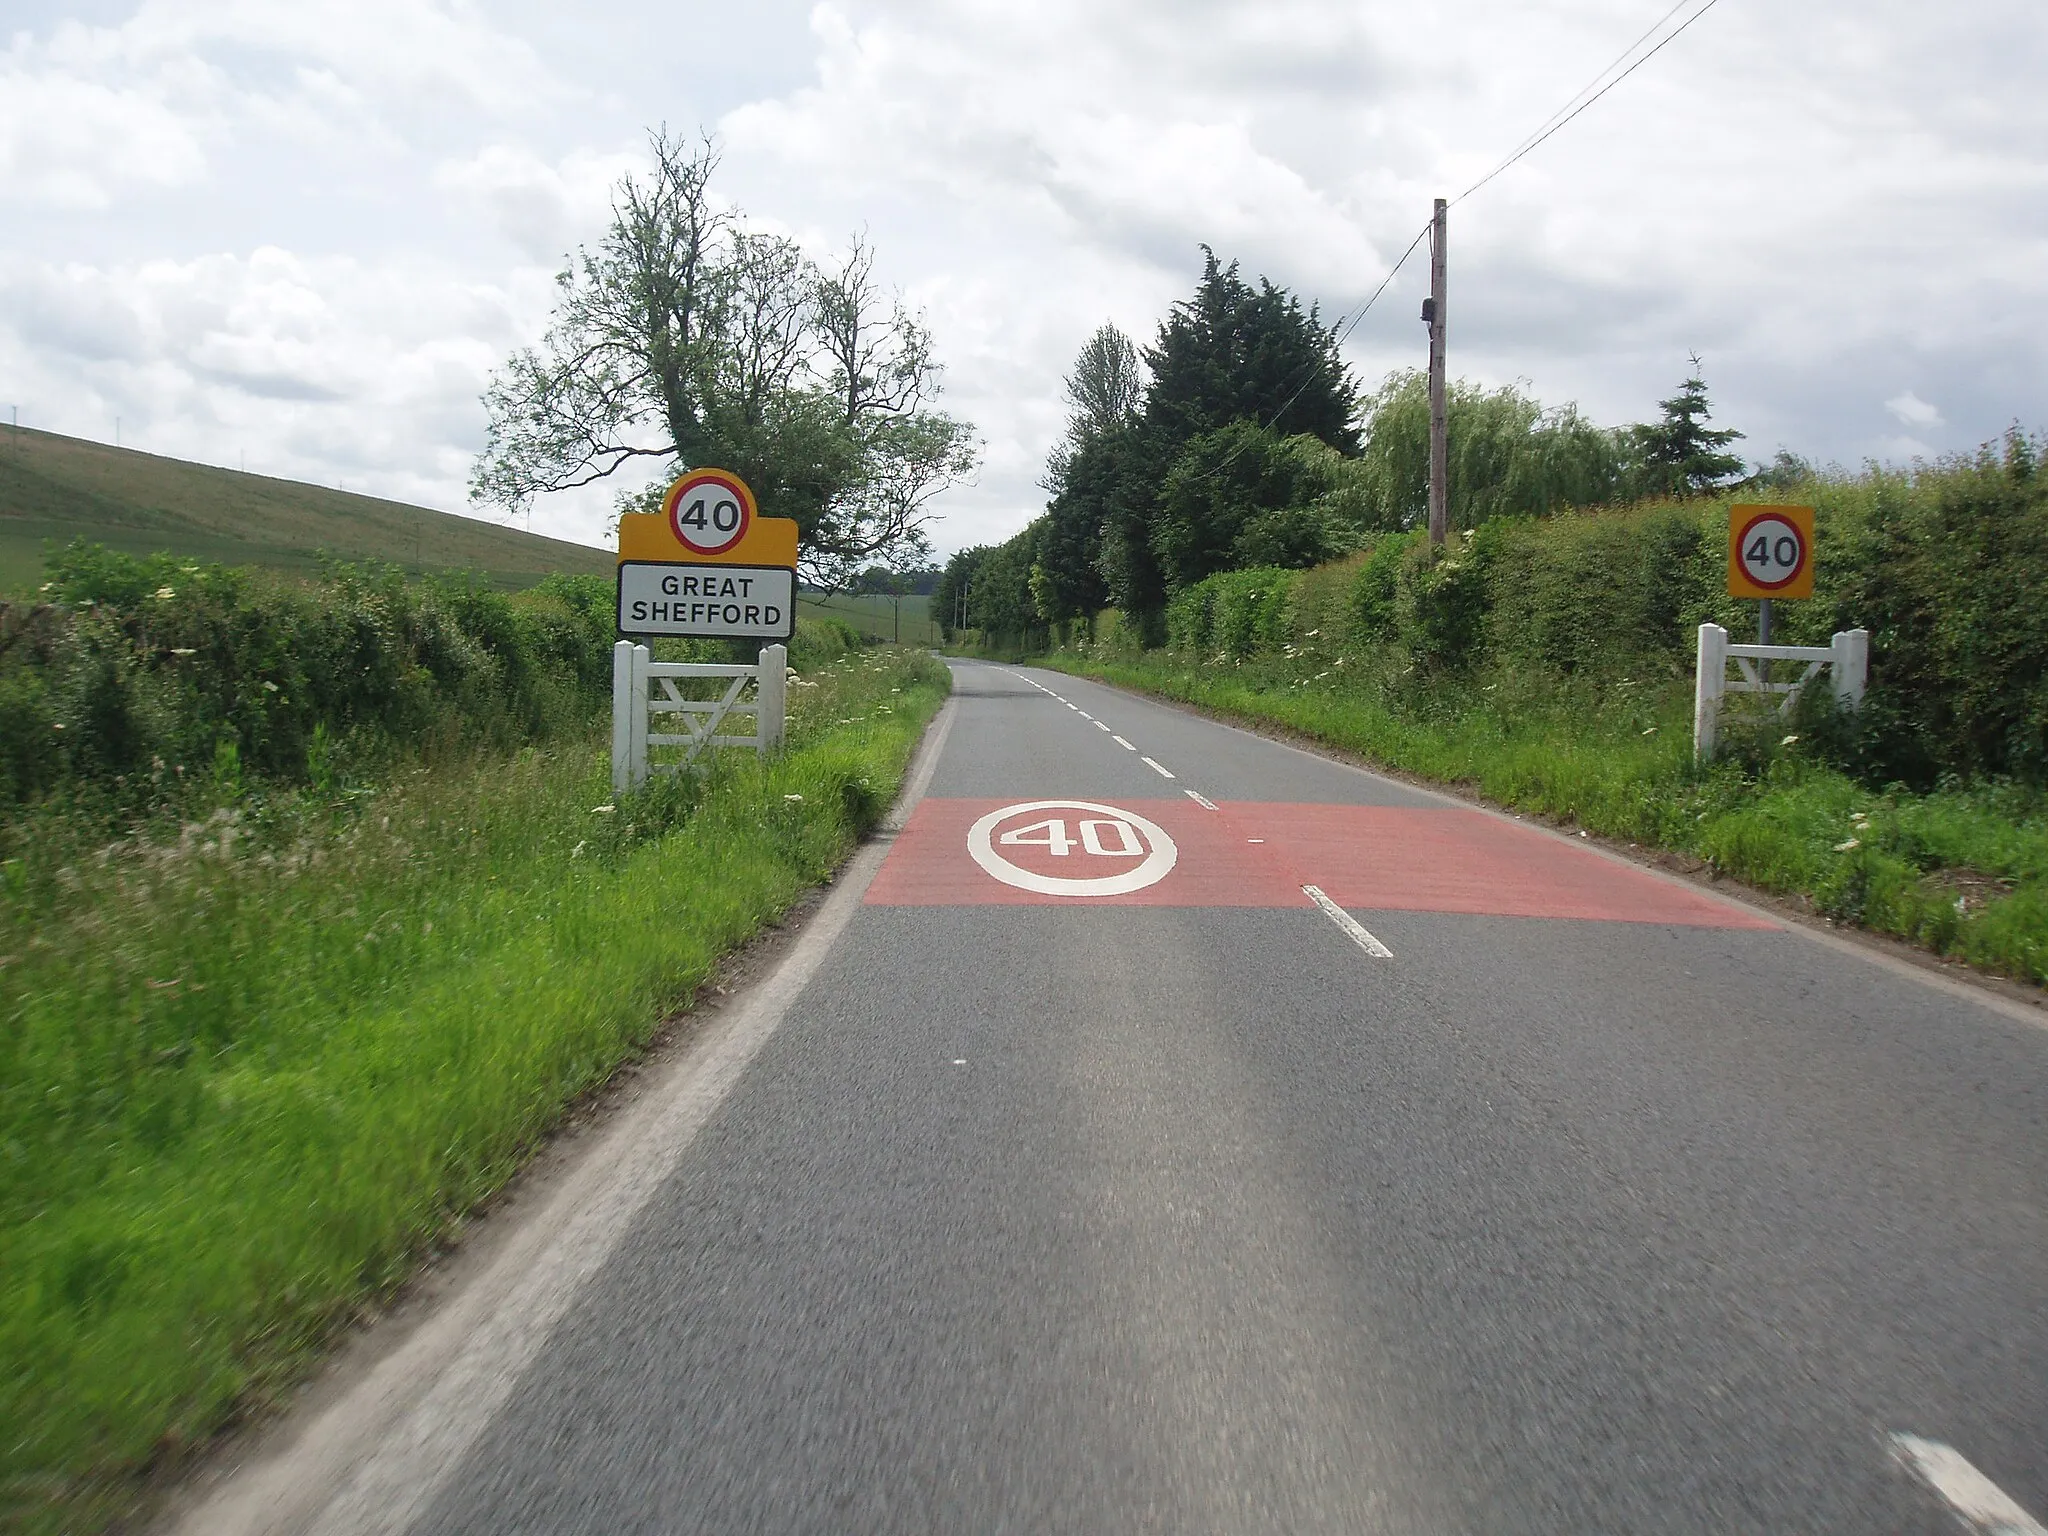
x=1239, y=438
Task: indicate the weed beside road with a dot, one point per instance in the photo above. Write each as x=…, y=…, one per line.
x=254, y=1064
x=1960, y=869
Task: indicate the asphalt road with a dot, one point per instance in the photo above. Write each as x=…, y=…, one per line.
x=1598, y=1203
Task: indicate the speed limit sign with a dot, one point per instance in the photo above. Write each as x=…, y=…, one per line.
x=709, y=510
x=1770, y=552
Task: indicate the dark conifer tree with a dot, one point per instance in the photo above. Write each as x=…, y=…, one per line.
x=1237, y=353
x=1680, y=454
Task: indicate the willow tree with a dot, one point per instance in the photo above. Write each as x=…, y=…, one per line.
x=685, y=338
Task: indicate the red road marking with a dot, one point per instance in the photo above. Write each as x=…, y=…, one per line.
x=930, y=866
x=1450, y=859
x=1369, y=857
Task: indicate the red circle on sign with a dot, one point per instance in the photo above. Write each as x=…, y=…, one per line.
x=1780, y=532
x=709, y=510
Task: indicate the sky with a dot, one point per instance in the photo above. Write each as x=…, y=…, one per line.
x=299, y=238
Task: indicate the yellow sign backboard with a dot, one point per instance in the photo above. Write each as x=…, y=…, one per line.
x=708, y=517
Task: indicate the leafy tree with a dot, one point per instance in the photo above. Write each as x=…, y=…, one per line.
x=686, y=339
x=1680, y=454
x=1114, y=484
x=1242, y=496
x=1104, y=393
x=1508, y=457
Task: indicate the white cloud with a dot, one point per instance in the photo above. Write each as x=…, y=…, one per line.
x=1912, y=411
x=543, y=208
x=312, y=229
x=320, y=368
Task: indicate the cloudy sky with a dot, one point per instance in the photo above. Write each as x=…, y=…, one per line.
x=301, y=235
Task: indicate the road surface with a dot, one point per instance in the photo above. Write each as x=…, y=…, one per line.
x=1169, y=1130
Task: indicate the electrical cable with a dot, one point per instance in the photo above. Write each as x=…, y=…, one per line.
x=1564, y=115
x=1545, y=130
x=1529, y=138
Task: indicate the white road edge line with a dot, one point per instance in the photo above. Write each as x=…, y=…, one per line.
x=1982, y=1504
x=1122, y=743
x=1158, y=768
x=374, y=1460
x=1200, y=799
x=1344, y=920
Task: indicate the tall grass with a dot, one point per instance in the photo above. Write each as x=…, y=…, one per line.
x=254, y=1063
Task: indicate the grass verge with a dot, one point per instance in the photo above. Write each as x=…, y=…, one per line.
x=1962, y=871
x=253, y=1066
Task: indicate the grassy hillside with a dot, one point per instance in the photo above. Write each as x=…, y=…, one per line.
x=875, y=617
x=62, y=488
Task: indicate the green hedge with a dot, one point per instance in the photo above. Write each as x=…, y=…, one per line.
x=146, y=677
x=1944, y=565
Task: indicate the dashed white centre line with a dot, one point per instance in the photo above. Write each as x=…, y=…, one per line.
x=1200, y=799
x=1100, y=726
x=1158, y=768
x=1122, y=743
x=1983, y=1505
x=1353, y=930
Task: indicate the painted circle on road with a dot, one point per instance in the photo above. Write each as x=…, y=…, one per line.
x=1772, y=549
x=1046, y=834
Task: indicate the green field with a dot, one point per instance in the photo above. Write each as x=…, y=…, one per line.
x=876, y=616
x=56, y=489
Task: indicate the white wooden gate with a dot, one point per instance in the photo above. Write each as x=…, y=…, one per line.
x=1847, y=657
x=643, y=688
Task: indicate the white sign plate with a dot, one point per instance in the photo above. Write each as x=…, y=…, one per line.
x=707, y=602
x=1116, y=851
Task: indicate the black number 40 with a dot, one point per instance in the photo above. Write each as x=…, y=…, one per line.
x=723, y=518
x=1766, y=551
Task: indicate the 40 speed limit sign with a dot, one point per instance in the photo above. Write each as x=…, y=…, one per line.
x=1770, y=552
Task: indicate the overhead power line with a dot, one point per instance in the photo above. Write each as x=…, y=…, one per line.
x=1578, y=103
x=1603, y=82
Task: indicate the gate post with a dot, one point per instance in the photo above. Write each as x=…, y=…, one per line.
x=622, y=716
x=1708, y=686
x=771, y=698
x=637, y=713
x=1850, y=666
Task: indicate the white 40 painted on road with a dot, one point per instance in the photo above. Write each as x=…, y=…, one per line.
x=1098, y=832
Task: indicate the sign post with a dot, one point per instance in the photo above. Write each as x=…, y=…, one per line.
x=707, y=566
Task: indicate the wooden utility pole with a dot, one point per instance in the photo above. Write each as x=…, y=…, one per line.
x=1439, y=431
